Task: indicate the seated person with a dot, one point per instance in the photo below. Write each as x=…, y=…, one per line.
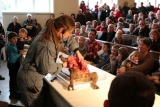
x=147, y=60
x=82, y=46
x=155, y=41
x=150, y=18
x=120, y=27
x=92, y=45
x=142, y=30
x=111, y=17
x=88, y=26
x=101, y=27
x=156, y=26
x=83, y=31
x=114, y=53
x=77, y=25
x=116, y=62
x=118, y=38
x=134, y=20
x=108, y=21
x=155, y=78
x=155, y=21
x=94, y=24
x=129, y=15
x=124, y=24
x=131, y=29
x=77, y=32
x=101, y=60
x=126, y=90
x=109, y=34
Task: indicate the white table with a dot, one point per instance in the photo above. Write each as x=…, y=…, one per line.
x=83, y=98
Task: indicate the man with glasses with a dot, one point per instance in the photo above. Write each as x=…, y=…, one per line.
x=142, y=30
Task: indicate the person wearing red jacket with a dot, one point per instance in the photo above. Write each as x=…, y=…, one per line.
x=117, y=14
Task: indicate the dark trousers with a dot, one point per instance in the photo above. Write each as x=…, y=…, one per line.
x=13, y=69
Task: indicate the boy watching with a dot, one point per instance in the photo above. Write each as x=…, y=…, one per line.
x=22, y=39
x=13, y=64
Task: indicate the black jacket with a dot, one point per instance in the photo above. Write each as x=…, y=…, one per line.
x=125, y=11
x=13, y=28
x=81, y=19
x=107, y=37
x=155, y=46
x=144, y=33
x=135, y=10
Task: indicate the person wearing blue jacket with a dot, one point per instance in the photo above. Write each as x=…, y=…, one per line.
x=13, y=64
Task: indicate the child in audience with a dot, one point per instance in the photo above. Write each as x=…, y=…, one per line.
x=131, y=29
x=114, y=53
x=118, y=37
x=22, y=39
x=120, y=27
x=94, y=24
x=134, y=59
x=88, y=26
x=82, y=47
x=129, y=15
x=83, y=31
x=102, y=58
x=13, y=64
x=77, y=32
x=116, y=62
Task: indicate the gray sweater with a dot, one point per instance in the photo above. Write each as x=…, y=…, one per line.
x=40, y=60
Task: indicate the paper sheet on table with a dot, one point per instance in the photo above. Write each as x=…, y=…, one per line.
x=58, y=59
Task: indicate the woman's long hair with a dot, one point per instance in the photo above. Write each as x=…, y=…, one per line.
x=63, y=21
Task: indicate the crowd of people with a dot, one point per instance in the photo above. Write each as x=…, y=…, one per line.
x=78, y=34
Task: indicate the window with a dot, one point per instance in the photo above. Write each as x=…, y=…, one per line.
x=145, y=2
x=45, y=6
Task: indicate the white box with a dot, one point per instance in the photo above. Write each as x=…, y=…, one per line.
x=64, y=79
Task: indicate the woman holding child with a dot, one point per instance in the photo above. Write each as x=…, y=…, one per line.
x=41, y=57
x=147, y=60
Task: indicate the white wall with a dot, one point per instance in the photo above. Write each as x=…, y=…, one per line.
x=41, y=18
x=65, y=6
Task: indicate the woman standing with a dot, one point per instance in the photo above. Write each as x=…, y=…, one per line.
x=41, y=59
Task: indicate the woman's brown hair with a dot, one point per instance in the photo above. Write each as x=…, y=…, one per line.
x=63, y=21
